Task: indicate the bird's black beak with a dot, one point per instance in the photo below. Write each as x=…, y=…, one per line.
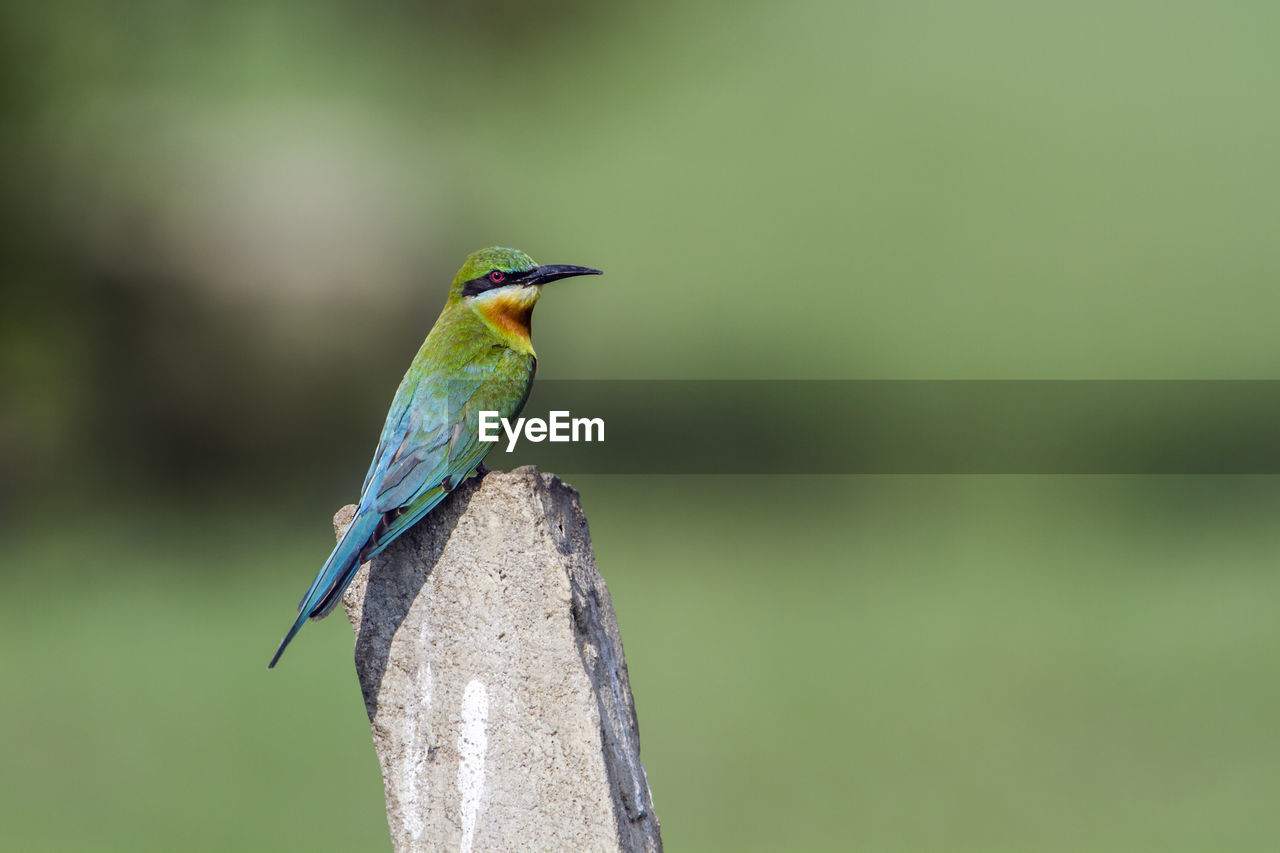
x=551, y=272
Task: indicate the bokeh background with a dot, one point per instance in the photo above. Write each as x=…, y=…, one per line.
x=226, y=227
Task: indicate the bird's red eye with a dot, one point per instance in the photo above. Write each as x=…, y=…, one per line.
x=496, y=276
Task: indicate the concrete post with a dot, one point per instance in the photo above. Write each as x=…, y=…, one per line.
x=494, y=677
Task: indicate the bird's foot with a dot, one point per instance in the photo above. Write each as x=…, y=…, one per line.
x=481, y=470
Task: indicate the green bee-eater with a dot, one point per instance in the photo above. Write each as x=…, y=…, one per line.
x=477, y=357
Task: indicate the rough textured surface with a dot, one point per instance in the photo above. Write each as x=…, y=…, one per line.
x=494, y=678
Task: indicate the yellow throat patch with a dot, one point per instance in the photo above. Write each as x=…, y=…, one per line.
x=510, y=313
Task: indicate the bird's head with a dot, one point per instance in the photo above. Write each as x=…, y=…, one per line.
x=508, y=274
x=504, y=284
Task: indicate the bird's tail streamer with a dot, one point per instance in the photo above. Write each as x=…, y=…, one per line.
x=334, y=576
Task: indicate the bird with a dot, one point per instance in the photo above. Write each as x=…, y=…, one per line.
x=477, y=357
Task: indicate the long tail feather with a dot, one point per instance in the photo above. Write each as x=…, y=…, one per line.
x=288, y=638
x=327, y=588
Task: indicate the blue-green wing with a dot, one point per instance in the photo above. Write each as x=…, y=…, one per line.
x=433, y=443
x=430, y=442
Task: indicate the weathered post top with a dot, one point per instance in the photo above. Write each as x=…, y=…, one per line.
x=494, y=677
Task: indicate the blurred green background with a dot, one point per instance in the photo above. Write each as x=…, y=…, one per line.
x=226, y=228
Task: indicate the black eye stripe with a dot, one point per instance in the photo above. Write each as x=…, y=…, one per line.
x=479, y=285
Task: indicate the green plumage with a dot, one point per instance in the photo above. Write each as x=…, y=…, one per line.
x=477, y=357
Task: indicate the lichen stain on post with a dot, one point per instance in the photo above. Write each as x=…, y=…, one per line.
x=473, y=742
x=416, y=769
